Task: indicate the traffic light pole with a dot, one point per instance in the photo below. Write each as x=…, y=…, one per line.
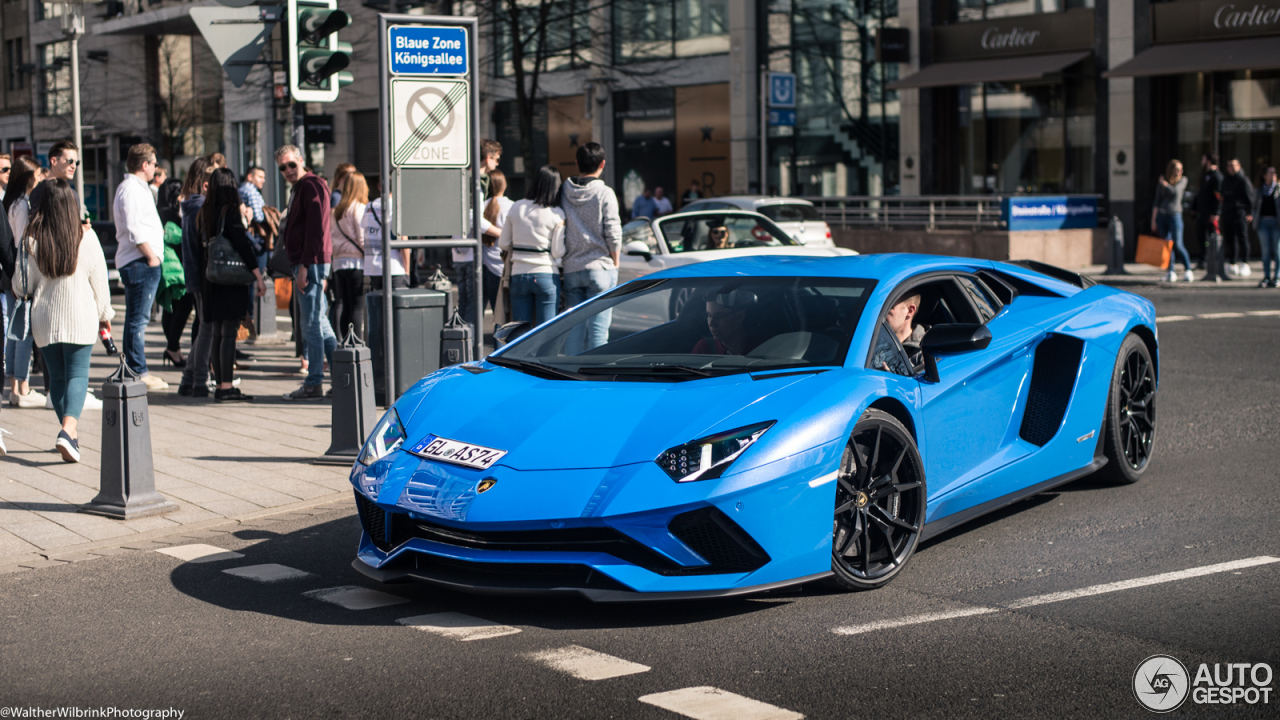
x=471, y=25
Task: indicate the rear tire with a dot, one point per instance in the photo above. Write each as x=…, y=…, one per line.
x=879, y=504
x=1129, y=430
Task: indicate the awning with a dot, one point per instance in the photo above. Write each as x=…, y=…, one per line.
x=1245, y=54
x=1027, y=67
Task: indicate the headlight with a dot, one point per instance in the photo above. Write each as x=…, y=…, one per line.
x=710, y=456
x=387, y=436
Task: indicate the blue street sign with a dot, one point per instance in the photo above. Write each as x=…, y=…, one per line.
x=782, y=90
x=1050, y=213
x=782, y=118
x=425, y=50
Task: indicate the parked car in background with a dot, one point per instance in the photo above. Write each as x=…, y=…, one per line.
x=106, y=232
x=685, y=238
x=799, y=218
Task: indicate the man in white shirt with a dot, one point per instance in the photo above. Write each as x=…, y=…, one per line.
x=661, y=203
x=141, y=246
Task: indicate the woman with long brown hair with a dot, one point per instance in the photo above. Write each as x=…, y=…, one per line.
x=495, y=212
x=68, y=280
x=346, y=235
x=17, y=353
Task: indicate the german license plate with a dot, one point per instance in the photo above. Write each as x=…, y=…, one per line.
x=478, y=457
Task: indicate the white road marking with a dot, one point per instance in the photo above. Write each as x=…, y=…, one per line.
x=353, y=597
x=913, y=620
x=268, y=573
x=1174, y=318
x=1060, y=596
x=199, y=553
x=819, y=481
x=1215, y=316
x=458, y=626
x=586, y=664
x=708, y=703
x=1263, y=312
x=1142, y=582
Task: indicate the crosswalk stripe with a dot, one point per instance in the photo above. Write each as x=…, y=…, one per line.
x=457, y=626
x=1174, y=318
x=1216, y=316
x=708, y=703
x=586, y=664
x=268, y=572
x=912, y=620
x=354, y=597
x=1144, y=581
x=199, y=553
x=1263, y=312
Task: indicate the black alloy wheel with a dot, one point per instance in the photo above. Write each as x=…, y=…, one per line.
x=879, y=504
x=1129, y=432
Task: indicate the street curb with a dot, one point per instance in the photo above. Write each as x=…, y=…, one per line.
x=1122, y=281
x=58, y=554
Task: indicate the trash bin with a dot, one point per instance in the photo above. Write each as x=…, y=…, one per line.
x=419, y=316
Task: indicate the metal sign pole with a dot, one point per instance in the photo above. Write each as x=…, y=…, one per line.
x=477, y=204
x=388, y=333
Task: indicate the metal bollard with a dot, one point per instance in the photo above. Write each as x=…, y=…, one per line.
x=127, y=482
x=352, y=414
x=1115, y=248
x=264, y=317
x=1214, y=261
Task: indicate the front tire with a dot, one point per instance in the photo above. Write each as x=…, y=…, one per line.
x=1129, y=431
x=879, y=504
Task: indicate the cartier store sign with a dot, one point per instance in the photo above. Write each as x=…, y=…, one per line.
x=1189, y=21
x=1022, y=35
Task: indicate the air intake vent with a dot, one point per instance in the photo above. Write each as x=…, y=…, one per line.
x=374, y=521
x=719, y=540
x=1052, y=379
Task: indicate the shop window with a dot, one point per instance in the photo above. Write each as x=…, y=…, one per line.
x=55, y=78
x=565, y=30
x=13, y=64
x=659, y=29
x=970, y=10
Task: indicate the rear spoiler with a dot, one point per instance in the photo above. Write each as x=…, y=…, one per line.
x=1055, y=272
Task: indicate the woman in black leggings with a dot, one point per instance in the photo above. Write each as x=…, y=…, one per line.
x=224, y=306
x=174, y=319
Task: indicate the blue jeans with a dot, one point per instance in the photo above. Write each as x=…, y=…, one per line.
x=1269, y=237
x=578, y=287
x=466, y=290
x=17, y=354
x=68, y=377
x=1169, y=227
x=534, y=296
x=140, y=285
x=318, y=340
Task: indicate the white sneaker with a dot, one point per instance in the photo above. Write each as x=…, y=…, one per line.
x=48, y=402
x=1171, y=276
x=154, y=383
x=1245, y=270
x=91, y=402
x=1189, y=277
x=32, y=399
x=1231, y=270
x=3, y=450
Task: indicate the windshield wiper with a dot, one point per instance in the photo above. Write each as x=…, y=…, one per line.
x=533, y=368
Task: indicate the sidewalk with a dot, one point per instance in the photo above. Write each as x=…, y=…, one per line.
x=1139, y=274
x=218, y=462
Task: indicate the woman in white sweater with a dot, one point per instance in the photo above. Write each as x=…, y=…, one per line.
x=534, y=233
x=68, y=279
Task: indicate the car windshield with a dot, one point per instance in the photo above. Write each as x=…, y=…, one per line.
x=688, y=328
x=710, y=231
x=789, y=212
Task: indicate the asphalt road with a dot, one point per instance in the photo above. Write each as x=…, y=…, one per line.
x=141, y=629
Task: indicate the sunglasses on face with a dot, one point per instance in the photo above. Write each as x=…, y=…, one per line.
x=4, y=170
x=288, y=166
x=69, y=162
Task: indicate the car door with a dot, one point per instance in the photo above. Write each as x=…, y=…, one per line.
x=969, y=412
x=633, y=263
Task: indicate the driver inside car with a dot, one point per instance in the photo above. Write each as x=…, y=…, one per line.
x=727, y=322
x=899, y=320
x=717, y=237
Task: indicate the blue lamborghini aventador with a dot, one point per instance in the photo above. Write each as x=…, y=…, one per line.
x=739, y=425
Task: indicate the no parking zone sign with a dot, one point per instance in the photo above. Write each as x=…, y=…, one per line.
x=430, y=123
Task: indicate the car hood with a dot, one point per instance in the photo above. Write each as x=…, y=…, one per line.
x=792, y=250
x=546, y=424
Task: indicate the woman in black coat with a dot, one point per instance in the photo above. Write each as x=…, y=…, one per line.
x=224, y=306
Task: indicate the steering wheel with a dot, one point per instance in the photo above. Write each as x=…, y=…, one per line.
x=760, y=234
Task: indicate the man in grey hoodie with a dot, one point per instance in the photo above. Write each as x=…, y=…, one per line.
x=593, y=245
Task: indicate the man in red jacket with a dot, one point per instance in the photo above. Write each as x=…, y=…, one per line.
x=306, y=239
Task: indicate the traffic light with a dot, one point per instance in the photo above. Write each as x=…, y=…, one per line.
x=317, y=61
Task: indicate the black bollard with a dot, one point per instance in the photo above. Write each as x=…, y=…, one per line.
x=127, y=482
x=1115, y=248
x=352, y=412
x=1214, y=262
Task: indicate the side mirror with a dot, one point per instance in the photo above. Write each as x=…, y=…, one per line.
x=507, y=334
x=951, y=338
x=638, y=248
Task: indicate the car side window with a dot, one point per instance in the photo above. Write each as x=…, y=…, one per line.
x=888, y=354
x=986, y=305
x=641, y=230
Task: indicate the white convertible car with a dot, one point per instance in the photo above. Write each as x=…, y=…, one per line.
x=686, y=238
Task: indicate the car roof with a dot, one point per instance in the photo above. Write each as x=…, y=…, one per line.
x=755, y=200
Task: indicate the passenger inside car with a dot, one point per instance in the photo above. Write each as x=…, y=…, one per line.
x=727, y=322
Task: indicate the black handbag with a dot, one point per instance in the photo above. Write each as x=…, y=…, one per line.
x=223, y=264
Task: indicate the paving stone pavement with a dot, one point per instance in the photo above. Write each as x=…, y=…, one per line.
x=219, y=463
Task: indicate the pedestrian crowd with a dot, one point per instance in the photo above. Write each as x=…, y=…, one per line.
x=1226, y=207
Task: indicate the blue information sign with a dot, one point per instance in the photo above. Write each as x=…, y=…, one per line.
x=1050, y=213
x=425, y=50
x=782, y=118
x=782, y=90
